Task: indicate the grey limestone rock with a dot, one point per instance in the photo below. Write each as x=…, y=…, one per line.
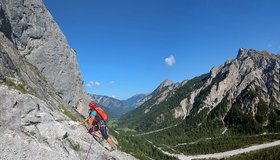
x=253, y=70
x=39, y=39
x=32, y=132
x=39, y=75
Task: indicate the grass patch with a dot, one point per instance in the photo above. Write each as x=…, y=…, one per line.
x=114, y=124
x=74, y=115
x=76, y=146
x=9, y=82
x=20, y=86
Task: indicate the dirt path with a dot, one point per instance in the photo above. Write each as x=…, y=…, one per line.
x=228, y=153
x=213, y=155
x=155, y=131
x=221, y=154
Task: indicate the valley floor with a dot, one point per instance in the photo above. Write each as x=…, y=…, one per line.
x=224, y=154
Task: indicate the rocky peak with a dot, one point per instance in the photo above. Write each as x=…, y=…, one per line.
x=32, y=29
x=254, y=54
x=249, y=59
x=242, y=52
x=214, y=71
x=164, y=84
x=184, y=82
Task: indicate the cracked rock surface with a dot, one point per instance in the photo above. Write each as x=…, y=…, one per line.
x=30, y=130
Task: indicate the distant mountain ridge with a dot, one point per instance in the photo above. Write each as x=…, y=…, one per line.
x=134, y=101
x=246, y=87
x=115, y=107
x=164, y=90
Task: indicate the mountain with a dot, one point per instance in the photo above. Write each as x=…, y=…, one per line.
x=134, y=101
x=241, y=95
x=234, y=106
x=38, y=38
x=114, y=107
x=40, y=89
x=163, y=91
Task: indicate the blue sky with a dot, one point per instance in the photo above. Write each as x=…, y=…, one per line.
x=123, y=46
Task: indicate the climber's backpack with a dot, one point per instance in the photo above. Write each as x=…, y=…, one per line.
x=102, y=113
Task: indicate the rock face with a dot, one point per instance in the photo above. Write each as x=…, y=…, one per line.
x=251, y=71
x=40, y=82
x=248, y=85
x=16, y=71
x=30, y=26
x=31, y=129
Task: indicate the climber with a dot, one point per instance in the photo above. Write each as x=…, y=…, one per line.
x=99, y=117
x=94, y=125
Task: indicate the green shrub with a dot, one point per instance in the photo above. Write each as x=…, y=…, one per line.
x=69, y=114
x=75, y=145
x=20, y=87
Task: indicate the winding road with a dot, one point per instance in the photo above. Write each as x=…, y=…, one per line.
x=213, y=155
x=155, y=131
x=224, y=154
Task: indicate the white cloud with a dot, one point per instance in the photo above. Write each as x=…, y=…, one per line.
x=112, y=82
x=92, y=83
x=97, y=83
x=113, y=96
x=170, y=61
